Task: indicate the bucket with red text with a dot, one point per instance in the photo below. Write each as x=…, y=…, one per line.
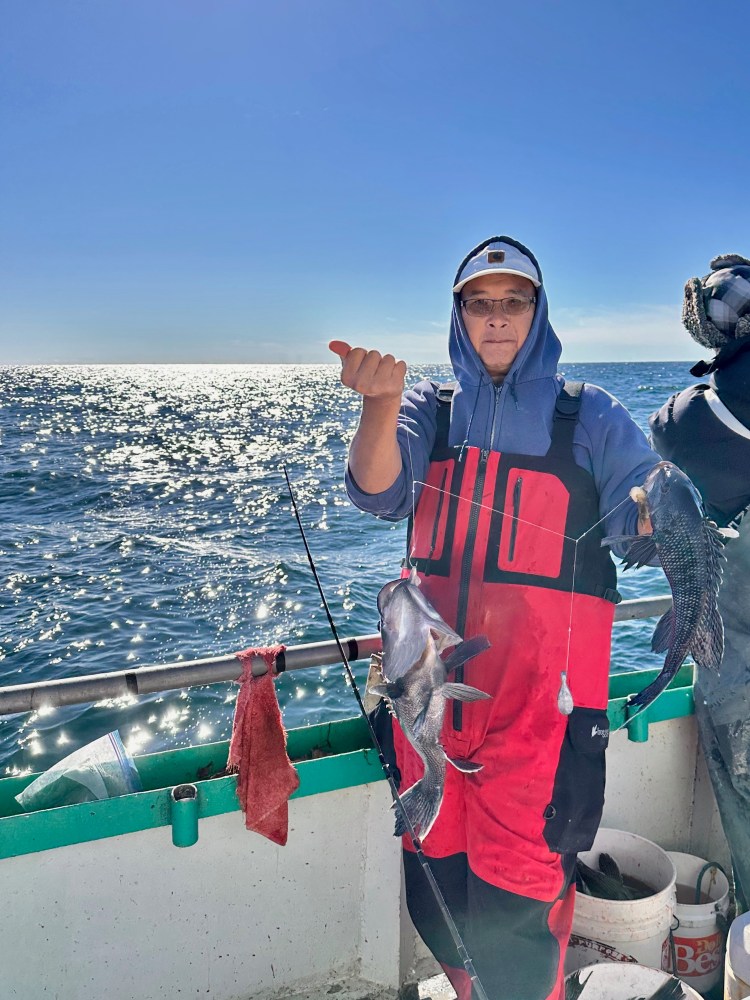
x=624, y=930
x=698, y=935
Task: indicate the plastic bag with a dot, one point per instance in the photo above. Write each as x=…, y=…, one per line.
x=100, y=770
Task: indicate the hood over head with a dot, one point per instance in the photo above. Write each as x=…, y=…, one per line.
x=540, y=353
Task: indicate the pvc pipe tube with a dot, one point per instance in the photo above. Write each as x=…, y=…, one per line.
x=172, y=676
x=637, y=724
x=18, y=698
x=184, y=815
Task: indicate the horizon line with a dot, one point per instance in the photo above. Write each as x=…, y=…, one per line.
x=295, y=364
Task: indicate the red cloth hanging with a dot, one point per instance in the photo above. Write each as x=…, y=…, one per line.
x=266, y=777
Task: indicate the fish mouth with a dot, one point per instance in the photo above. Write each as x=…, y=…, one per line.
x=662, y=476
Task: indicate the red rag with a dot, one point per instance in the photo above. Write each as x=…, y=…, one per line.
x=257, y=751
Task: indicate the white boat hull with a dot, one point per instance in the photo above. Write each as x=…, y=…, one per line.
x=234, y=917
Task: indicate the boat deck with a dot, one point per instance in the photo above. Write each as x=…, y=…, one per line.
x=435, y=988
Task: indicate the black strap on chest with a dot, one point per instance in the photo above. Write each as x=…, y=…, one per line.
x=567, y=408
x=444, y=395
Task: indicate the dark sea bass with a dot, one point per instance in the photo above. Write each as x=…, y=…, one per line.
x=416, y=687
x=690, y=549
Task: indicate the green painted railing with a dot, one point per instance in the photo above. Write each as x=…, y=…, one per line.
x=327, y=757
x=675, y=702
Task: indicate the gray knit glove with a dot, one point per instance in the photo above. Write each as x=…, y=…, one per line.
x=731, y=296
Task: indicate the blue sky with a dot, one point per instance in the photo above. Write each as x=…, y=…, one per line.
x=240, y=182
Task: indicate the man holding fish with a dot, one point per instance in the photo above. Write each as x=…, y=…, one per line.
x=511, y=478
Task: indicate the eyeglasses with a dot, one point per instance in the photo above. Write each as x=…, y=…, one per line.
x=513, y=305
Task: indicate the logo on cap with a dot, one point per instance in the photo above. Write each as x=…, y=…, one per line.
x=496, y=257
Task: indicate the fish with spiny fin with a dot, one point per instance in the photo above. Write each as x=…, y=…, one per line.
x=416, y=687
x=690, y=550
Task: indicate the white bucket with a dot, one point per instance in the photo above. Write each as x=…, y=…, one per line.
x=607, y=930
x=622, y=981
x=698, y=941
x=737, y=968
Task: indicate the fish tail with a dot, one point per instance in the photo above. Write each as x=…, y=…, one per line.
x=644, y=698
x=421, y=803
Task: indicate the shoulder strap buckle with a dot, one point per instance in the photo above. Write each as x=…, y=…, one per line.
x=569, y=401
x=444, y=396
x=444, y=393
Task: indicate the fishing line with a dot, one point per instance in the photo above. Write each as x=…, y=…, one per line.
x=413, y=482
x=551, y=531
x=496, y=510
x=573, y=581
x=559, y=534
x=397, y=801
x=628, y=718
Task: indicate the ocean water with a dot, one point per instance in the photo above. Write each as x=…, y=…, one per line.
x=146, y=520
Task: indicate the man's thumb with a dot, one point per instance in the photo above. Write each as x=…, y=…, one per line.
x=339, y=347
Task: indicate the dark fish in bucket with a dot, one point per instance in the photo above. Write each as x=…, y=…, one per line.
x=416, y=687
x=690, y=549
x=607, y=882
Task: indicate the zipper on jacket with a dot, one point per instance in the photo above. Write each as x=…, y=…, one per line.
x=468, y=557
x=498, y=390
x=514, y=523
x=435, y=527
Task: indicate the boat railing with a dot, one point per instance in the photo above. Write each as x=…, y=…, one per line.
x=41, y=695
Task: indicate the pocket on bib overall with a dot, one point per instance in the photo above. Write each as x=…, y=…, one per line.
x=574, y=812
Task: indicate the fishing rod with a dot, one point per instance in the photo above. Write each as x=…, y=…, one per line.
x=397, y=801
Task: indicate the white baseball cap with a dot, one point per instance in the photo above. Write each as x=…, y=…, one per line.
x=498, y=258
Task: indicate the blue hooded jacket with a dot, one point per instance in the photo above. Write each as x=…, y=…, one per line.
x=516, y=417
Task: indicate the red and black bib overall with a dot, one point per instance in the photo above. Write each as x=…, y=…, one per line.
x=505, y=546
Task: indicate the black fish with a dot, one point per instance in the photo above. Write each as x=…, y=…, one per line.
x=601, y=885
x=690, y=549
x=608, y=866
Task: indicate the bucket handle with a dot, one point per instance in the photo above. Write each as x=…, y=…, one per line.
x=701, y=873
x=672, y=948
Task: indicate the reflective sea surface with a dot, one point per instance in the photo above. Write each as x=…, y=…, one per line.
x=146, y=519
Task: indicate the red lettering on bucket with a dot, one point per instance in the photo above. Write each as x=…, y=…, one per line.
x=695, y=956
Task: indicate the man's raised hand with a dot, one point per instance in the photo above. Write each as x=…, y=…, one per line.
x=370, y=373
